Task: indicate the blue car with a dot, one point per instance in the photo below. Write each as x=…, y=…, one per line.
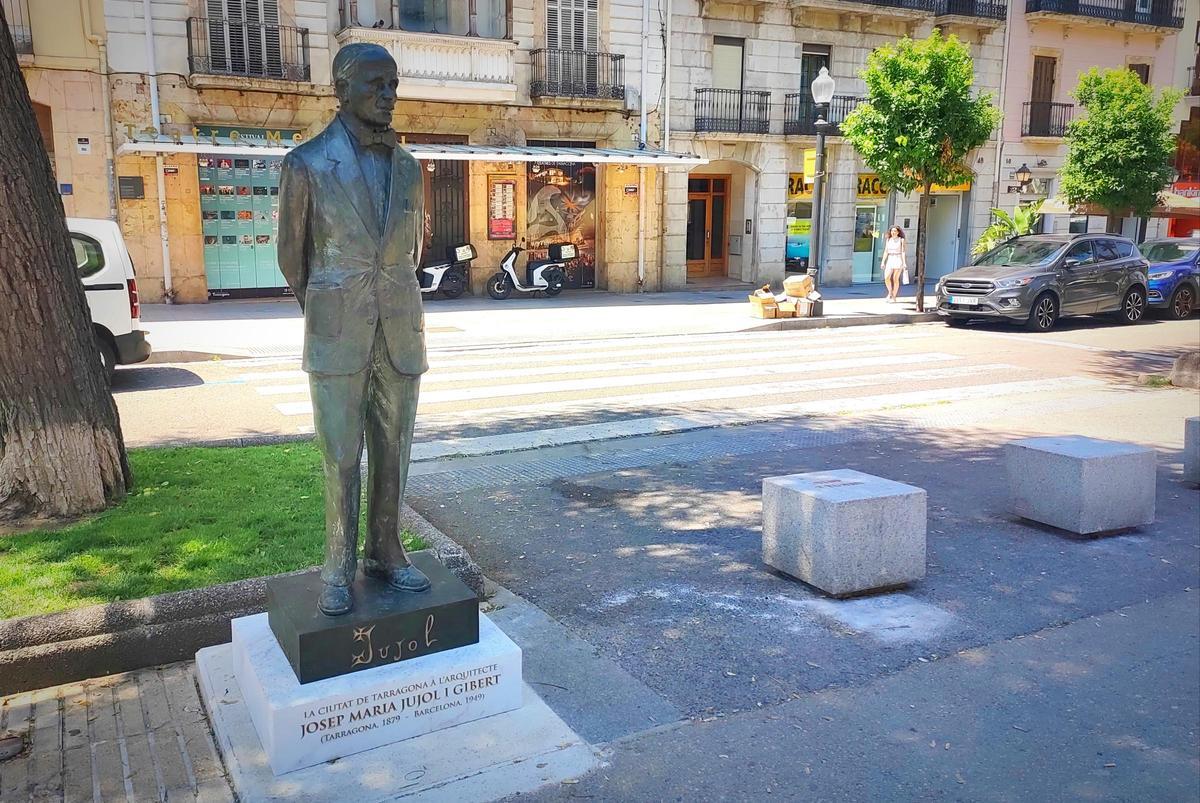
x=1174, y=275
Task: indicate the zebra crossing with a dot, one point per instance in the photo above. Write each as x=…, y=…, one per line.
x=477, y=402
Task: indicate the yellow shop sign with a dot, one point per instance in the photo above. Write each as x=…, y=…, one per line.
x=963, y=187
x=798, y=190
x=870, y=186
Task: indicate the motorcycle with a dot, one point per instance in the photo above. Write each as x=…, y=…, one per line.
x=449, y=276
x=545, y=275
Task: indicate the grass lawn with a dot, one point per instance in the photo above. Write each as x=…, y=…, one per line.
x=195, y=517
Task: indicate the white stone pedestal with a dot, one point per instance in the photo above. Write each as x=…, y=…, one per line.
x=1191, y=451
x=1082, y=485
x=844, y=531
x=302, y=725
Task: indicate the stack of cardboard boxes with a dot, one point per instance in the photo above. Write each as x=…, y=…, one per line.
x=798, y=300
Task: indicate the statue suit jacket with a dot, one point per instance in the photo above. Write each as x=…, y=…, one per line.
x=349, y=275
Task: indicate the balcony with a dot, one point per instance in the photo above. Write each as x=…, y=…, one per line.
x=445, y=67
x=1154, y=13
x=1044, y=119
x=241, y=49
x=17, y=14
x=733, y=111
x=992, y=12
x=800, y=113
x=578, y=74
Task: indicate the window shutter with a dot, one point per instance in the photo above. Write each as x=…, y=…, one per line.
x=553, y=23
x=592, y=26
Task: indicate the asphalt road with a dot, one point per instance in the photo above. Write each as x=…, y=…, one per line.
x=489, y=389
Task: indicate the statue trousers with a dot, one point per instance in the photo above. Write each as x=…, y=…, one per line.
x=382, y=404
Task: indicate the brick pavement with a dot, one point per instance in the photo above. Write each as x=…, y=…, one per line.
x=138, y=736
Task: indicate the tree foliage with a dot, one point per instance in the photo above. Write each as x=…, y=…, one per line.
x=1023, y=220
x=920, y=119
x=1119, y=152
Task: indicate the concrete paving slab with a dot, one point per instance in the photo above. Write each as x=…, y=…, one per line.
x=511, y=753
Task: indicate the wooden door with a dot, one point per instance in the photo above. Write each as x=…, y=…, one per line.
x=1041, y=95
x=707, y=226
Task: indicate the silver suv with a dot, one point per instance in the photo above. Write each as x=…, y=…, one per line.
x=1036, y=279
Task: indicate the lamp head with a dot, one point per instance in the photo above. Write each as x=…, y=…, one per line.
x=1023, y=174
x=822, y=87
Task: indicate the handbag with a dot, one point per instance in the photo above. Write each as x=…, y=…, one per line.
x=904, y=277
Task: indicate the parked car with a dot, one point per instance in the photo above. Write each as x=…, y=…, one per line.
x=1174, y=275
x=1036, y=279
x=107, y=274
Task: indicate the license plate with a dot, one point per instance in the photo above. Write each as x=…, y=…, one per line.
x=965, y=301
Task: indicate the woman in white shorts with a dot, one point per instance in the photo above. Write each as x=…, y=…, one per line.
x=895, y=261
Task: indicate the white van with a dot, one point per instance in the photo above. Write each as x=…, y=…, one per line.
x=107, y=274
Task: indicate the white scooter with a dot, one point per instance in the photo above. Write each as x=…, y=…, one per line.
x=546, y=275
x=449, y=276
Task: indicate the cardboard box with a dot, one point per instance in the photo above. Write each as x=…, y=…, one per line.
x=764, y=307
x=808, y=309
x=787, y=309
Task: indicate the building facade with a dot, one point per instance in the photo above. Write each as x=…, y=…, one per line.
x=741, y=97
x=240, y=81
x=1049, y=44
x=1187, y=149
x=62, y=52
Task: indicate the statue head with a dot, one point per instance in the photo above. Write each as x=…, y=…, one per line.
x=364, y=79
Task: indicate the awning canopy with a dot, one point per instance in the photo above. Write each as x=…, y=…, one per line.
x=1170, y=204
x=469, y=153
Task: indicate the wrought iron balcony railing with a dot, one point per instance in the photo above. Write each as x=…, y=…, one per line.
x=986, y=9
x=561, y=73
x=247, y=49
x=1159, y=13
x=1044, y=119
x=17, y=14
x=736, y=111
x=800, y=113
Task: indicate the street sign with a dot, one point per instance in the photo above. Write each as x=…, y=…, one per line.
x=810, y=165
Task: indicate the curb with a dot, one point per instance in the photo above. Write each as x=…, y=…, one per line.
x=833, y=322
x=51, y=649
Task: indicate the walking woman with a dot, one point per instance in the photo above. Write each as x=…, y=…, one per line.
x=895, y=261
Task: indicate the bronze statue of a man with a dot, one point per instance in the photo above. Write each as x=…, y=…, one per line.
x=351, y=226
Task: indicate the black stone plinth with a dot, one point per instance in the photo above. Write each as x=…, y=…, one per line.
x=385, y=626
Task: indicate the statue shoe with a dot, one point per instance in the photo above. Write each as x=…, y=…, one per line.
x=401, y=578
x=335, y=600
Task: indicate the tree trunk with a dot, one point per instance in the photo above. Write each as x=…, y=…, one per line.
x=61, y=451
x=922, y=222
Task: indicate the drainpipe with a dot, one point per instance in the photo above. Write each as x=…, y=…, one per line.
x=85, y=14
x=152, y=71
x=642, y=135
x=1003, y=100
x=664, y=103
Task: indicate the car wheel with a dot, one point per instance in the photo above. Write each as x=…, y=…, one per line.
x=1044, y=314
x=499, y=287
x=453, y=284
x=1183, y=302
x=108, y=359
x=1133, y=306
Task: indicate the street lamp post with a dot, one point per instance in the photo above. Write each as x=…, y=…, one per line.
x=822, y=92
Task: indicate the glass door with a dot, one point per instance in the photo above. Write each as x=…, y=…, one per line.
x=868, y=240
x=707, y=225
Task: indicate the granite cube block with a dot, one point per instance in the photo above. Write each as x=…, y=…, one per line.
x=843, y=531
x=1082, y=485
x=1191, y=451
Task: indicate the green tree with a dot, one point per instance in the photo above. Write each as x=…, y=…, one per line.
x=1023, y=220
x=1119, y=153
x=920, y=120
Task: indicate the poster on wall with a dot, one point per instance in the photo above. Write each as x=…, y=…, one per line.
x=502, y=208
x=799, y=223
x=561, y=209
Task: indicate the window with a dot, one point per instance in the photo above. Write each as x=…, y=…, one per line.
x=1078, y=225
x=1142, y=71
x=89, y=256
x=1025, y=251
x=728, y=54
x=812, y=59
x=243, y=37
x=1124, y=248
x=573, y=25
x=1081, y=253
x=1106, y=250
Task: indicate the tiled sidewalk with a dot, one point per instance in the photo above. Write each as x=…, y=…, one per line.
x=139, y=736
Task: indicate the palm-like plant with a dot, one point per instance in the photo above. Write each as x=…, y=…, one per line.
x=1023, y=220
